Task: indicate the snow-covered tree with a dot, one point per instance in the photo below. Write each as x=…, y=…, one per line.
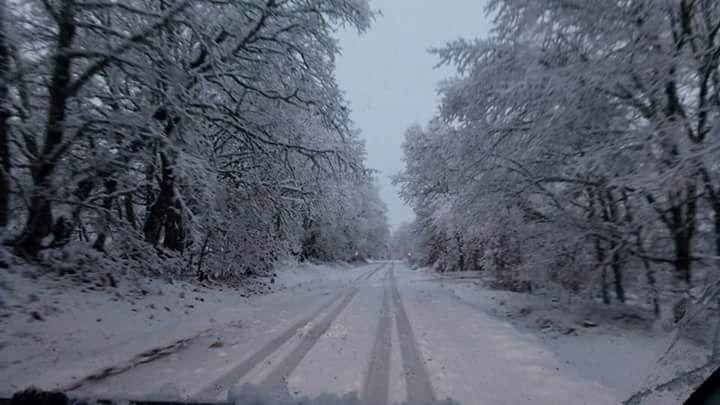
x=576, y=146
x=201, y=128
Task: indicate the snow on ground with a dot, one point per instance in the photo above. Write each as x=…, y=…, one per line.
x=348, y=341
x=54, y=332
x=343, y=334
x=474, y=358
x=467, y=356
x=623, y=350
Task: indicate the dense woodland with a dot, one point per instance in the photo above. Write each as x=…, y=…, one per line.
x=201, y=137
x=577, y=150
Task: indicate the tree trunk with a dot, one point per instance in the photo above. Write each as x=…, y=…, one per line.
x=110, y=188
x=461, y=253
x=174, y=230
x=165, y=213
x=39, y=222
x=654, y=293
x=600, y=256
x=129, y=209
x=681, y=223
x=682, y=261
x=618, y=276
x=713, y=195
x=4, y=119
x=165, y=217
x=203, y=250
x=611, y=214
x=595, y=199
x=652, y=284
x=605, y=286
x=683, y=231
x=716, y=214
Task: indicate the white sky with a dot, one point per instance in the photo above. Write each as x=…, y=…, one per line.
x=390, y=80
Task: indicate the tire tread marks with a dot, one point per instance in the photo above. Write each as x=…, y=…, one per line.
x=276, y=381
x=377, y=380
x=230, y=378
x=419, y=387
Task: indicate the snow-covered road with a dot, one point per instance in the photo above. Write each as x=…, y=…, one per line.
x=386, y=334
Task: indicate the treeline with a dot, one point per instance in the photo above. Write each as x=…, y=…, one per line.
x=577, y=147
x=208, y=132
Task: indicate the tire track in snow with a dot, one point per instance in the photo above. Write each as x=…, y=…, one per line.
x=142, y=358
x=368, y=275
x=417, y=378
x=276, y=381
x=377, y=380
x=226, y=382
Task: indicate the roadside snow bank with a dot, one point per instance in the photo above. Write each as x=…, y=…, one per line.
x=57, y=329
x=618, y=347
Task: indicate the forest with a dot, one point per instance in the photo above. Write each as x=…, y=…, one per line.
x=183, y=188
x=191, y=138
x=576, y=151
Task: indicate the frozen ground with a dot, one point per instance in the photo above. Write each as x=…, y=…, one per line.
x=379, y=333
x=601, y=352
x=619, y=346
x=53, y=333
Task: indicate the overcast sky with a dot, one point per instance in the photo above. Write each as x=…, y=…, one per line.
x=390, y=80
